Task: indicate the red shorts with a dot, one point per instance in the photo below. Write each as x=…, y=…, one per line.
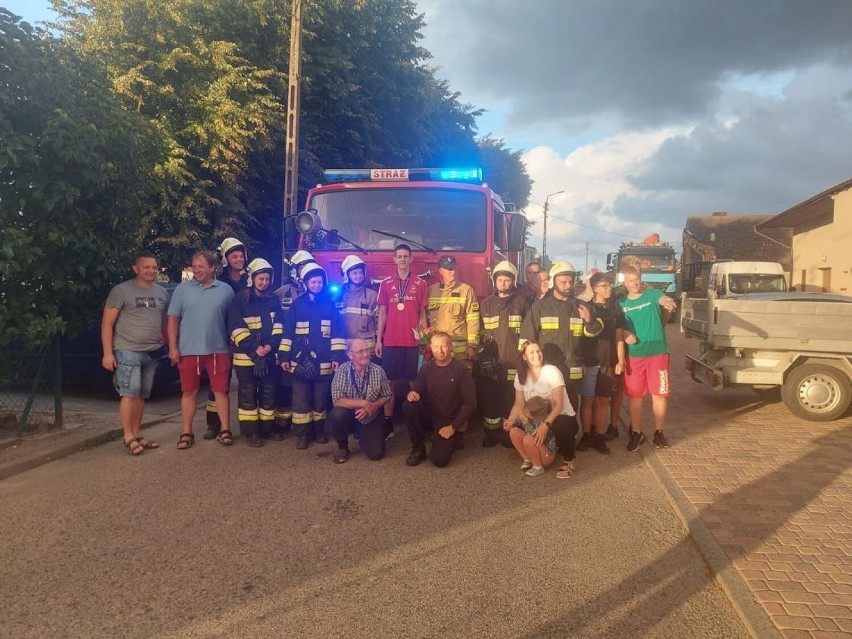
x=647, y=376
x=218, y=367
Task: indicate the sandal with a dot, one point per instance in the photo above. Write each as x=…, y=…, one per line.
x=147, y=443
x=186, y=441
x=225, y=438
x=565, y=470
x=134, y=447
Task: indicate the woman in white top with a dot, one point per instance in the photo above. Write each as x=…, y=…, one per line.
x=543, y=380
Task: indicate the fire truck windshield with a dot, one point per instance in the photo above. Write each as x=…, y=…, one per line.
x=652, y=262
x=440, y=218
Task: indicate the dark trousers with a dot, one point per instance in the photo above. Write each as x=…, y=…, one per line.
x=496, y=398
x=310, y=401
x=371, y=436
x=284, y=400
x=213, y=421
x=565, y=428
x=420, y=421
x=255, y=401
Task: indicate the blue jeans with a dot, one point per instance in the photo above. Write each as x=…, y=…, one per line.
x=134, y=373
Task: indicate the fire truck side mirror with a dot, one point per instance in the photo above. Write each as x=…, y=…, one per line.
x=517, y=232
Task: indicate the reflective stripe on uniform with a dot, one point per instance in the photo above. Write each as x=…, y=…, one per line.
x=241, y=359
x=286, y=345
x=301, y=418
x=266, y=415
x=338, y=344
x=303, y=328
x=247, y=415
x=252, y=322
x=317, y=417
x=550, y=323
x=239, y=334
x=491, y=323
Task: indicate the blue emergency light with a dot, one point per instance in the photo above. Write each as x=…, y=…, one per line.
x=334, y=288
x=466, y=175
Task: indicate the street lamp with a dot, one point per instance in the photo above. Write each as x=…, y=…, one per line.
x=544, y=233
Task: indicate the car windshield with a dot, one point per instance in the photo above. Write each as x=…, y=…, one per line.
x=440, y=218
x=757, y=283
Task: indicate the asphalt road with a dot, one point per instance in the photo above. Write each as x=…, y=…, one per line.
x=242, y=542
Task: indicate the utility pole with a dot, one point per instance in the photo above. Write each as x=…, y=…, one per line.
x=544, y=231
x=291, y=148
x=587, y=257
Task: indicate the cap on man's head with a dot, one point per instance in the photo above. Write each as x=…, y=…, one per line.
x=447, y=262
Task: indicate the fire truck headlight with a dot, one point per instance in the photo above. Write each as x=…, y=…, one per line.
x=308, y=222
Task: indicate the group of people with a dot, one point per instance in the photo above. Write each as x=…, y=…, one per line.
x=344, y=364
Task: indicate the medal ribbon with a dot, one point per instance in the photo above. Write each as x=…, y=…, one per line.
x=362, y=390
x=400, y=289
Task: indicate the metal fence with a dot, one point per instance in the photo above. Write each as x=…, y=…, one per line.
x=30, y=389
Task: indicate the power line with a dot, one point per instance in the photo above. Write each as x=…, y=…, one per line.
x=594, y=228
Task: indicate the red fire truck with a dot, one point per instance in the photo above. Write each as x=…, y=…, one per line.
x=368, y=212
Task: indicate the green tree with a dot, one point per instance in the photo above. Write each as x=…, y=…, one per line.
x=182, y=65
x=76, y=179
x=505, y=171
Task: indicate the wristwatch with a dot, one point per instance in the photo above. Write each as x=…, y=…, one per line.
x=547, y=423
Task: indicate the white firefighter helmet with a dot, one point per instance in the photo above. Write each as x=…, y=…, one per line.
x=350, y=262
x=312, y=269
x=505, y=268
x=259, y=265
x=301, y=257
x=562, y=267
x=230, y=244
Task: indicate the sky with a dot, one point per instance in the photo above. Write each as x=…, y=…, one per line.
x=645, y=113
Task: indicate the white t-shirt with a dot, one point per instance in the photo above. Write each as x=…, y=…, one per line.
x=549, y=379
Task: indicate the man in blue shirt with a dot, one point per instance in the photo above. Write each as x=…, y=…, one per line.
x=198, y=340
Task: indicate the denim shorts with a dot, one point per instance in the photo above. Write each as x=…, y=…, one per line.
x=589, y=381
x=134, y=373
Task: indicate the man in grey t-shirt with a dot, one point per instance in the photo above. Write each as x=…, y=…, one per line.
x=132, y=332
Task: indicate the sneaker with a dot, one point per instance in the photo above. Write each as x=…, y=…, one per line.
x=585, y=442
x=660, y=440
x=340, y=456
x=535, y=471
x=417, y=455
x=611, y=432
x=637, y=438
x=526, y=465
x=599, y=444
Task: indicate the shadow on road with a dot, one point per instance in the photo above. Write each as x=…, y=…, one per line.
x=671, y=589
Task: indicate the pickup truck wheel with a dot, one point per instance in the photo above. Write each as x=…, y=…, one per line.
x=817, y=393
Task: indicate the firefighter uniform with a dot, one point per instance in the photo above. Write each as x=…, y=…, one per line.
x=284, y=391
x=253, y=322
x=501, y=322
x=312, y=327
x=358, y=305
x=455, y=311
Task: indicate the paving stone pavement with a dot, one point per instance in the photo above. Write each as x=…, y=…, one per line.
x=774, y=490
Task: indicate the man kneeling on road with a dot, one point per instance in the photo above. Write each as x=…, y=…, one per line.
x=359, y=391
x=441, y=401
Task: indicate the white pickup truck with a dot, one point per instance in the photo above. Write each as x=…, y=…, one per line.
x=800, y=342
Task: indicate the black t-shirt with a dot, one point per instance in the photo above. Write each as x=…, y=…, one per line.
x=600, y=350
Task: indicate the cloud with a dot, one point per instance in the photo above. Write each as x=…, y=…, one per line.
x=758, y=154
x=638, y=63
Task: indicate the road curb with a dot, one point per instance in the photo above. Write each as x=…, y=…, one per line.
x=91, y=441
x=753, y=615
